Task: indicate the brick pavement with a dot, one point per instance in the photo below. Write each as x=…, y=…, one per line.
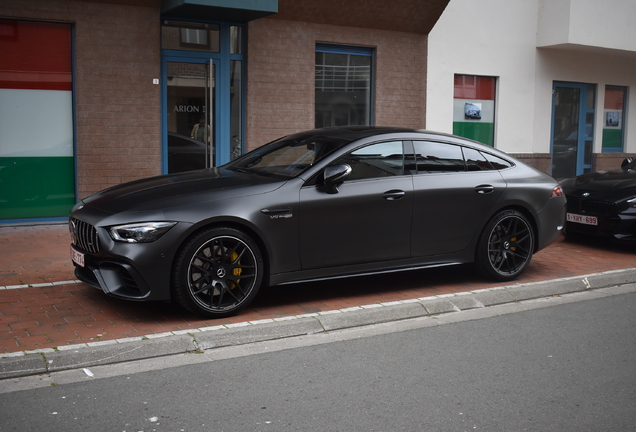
x=56, y=310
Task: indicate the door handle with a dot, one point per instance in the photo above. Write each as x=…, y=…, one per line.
x=484, y=189
x=393, y=195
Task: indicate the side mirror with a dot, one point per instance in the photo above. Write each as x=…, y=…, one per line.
x=335, y=175
x=628, y=164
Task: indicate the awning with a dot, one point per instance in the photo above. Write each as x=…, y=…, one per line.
x=219, y=10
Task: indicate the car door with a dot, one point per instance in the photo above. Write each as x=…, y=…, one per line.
x=452, y=198
x=367, y=220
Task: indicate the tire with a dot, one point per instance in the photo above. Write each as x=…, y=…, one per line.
x=505, y=246
x=217, y=272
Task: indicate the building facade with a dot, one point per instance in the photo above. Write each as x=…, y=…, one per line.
x=94, y=93
x=549, y=81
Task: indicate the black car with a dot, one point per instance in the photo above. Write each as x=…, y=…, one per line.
x=603, y=203
x=321, y=204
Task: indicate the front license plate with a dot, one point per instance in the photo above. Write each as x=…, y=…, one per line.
x=77, y=257
x=587, y=220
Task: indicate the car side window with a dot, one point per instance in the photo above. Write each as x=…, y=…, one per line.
x=384, y=159
x=438, y=157
x=497, y=162
x=475, y=161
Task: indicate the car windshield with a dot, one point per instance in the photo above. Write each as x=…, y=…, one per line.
x=287, y=157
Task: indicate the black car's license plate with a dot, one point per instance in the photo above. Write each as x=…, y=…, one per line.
x=582, y=219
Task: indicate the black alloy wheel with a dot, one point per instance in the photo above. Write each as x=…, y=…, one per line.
x=505, y=246
x=218, y=272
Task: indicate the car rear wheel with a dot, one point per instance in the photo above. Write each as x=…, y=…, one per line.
x=217, y=272
x=505, y=246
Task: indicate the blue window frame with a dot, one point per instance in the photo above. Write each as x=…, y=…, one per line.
x=219, y=48
x=572, y=141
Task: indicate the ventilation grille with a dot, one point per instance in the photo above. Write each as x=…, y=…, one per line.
x=84, y=236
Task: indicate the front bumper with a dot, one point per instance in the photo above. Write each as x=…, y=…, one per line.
x=132, y=271
x=619, y=227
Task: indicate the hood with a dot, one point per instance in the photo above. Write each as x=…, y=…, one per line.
x=174, y=190
x=613, y=184
x=606, y=180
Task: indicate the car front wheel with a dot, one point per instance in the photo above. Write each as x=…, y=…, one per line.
x=217, y=272
x=505, y=246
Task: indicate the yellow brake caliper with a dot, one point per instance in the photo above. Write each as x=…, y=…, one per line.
x=236, y=271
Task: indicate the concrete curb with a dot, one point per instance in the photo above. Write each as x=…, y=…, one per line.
x=24, y=363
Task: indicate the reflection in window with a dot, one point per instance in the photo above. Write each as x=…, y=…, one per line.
x=497, y=162
x=190, y=36
x=475, y=161
x=376, y=160
x=288, y=156
x=613, y=118
x=343, y=86
x=236, y=109
x=236, y=40
x=194, y=37
x=438, y=157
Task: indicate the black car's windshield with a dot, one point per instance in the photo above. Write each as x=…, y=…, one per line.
x=288, y=156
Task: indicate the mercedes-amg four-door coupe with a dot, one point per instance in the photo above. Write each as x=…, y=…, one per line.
x=320, y=204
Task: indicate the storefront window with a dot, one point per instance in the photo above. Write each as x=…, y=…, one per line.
x=37, y=177
x=614, y=118
x=474, y=108
x=343, y=86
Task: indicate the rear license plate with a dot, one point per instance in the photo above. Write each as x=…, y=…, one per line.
x=587, y=220
x=77, y=257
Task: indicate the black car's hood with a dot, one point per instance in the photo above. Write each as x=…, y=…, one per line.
x=606, y=180
x=173, y=190
x=611, y=184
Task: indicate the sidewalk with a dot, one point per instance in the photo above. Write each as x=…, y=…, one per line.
x=43, y=307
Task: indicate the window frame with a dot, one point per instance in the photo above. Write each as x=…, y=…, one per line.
x=351, y=50
x=623, y=119
x=484, y=91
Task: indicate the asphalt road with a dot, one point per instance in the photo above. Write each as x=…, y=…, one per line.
x=559, y=364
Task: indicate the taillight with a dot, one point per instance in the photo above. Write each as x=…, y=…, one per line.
x=557, y=192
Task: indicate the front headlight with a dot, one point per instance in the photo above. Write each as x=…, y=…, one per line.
x=145, y=232
x=632, y=202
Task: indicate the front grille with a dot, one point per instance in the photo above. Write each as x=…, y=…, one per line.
x=591, y=207
x=84, y=236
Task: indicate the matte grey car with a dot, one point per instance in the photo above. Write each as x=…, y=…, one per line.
x=320, y=204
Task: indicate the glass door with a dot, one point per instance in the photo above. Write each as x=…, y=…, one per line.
x=191, y=122
x=572, y=129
